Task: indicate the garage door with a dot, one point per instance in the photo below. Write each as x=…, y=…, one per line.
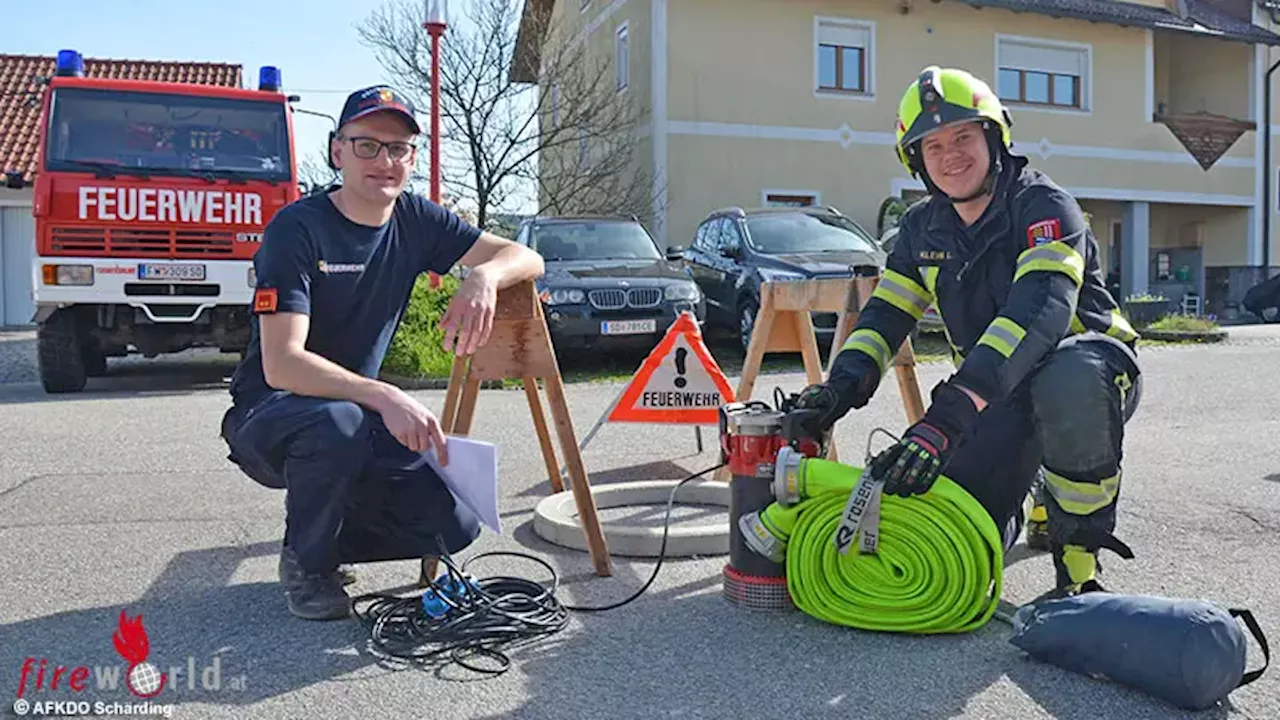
x=17, y=247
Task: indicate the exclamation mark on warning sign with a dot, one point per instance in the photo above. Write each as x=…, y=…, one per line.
x=680, y=355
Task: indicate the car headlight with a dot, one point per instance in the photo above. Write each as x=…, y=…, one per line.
x=771, y=275
x=682, y=291
x=563, y=296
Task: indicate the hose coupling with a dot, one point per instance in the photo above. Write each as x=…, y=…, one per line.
x=786, y=476
x=760, y=539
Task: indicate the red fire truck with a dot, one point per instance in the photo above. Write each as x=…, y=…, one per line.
x=150, y=202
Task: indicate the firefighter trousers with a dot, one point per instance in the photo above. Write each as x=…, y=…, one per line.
x=353, y=493
x=1067, y=419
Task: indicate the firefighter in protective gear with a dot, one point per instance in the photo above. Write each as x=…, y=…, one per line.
x=1047, y=374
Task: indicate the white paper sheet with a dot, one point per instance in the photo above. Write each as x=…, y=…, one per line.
x=472, y=477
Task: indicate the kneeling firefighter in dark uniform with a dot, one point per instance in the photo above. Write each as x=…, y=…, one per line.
x=1047, y=372
x=309, y=414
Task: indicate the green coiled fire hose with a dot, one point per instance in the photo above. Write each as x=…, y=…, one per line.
x=937, y=565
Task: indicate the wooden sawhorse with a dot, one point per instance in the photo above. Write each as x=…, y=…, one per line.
x=520, y=347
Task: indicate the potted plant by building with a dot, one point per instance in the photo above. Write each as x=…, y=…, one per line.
x=1146, y=308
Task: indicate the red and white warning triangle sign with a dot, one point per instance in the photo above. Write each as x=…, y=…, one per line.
x=678, y=383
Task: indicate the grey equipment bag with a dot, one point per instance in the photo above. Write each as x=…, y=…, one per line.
x=1189, y=653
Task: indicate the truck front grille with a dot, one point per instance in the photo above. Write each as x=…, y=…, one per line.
x=153, y=289
x=134, y=242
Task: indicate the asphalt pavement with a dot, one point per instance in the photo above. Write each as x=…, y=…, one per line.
x=120, y=498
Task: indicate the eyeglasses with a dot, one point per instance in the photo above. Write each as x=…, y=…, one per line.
x=367, y=148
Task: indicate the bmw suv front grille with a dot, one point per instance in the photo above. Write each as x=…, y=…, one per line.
x=615, y=299
x=644, y=297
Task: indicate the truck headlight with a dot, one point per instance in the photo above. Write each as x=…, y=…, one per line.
x=563, y=296
x=68, y=274
x=682, y=291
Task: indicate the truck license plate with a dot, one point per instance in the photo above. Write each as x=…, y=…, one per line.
x=170, y=272
x=628, y=327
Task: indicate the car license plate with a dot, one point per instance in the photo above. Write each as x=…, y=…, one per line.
x=170, y=272
x=628, y=327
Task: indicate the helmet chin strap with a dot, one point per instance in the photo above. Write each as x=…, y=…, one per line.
x=984, y=189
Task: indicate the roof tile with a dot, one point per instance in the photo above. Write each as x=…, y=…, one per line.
x=1202, y=18
x=22, y=93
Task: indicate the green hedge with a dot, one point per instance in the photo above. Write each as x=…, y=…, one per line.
x=1184, y=323
x=417, y=349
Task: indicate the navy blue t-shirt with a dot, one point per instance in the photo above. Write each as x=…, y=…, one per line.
x=353, y=280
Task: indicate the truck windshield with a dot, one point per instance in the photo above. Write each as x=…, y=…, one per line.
x=159, y=134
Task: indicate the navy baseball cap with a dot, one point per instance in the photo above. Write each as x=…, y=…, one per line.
x=378, y=98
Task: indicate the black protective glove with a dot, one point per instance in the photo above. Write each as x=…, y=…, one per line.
x=819, y=406
x=913, y=464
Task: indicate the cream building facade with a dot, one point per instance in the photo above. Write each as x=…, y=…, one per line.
x=762, y=102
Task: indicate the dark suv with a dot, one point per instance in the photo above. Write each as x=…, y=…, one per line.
x=1263, y=300
x=736, y=249
x=607, y=283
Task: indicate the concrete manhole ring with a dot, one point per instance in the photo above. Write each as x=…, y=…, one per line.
x=555, y=519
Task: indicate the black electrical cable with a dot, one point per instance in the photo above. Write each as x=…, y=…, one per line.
x=480, y=617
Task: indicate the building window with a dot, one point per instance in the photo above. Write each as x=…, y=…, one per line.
x=791, y=198
x=555, y=105
x=845, y=53
x=1042, y=73
x=621, y=58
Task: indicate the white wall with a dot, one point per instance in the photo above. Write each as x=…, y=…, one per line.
x=17, y=248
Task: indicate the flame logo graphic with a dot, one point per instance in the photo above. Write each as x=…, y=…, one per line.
x=130, y=640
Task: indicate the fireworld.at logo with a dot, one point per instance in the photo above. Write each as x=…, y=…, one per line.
x=142, y=677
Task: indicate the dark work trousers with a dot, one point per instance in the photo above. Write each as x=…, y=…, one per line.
x=1068, y=417
x=353, y=492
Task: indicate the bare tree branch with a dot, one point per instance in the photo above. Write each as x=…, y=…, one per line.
x=574, y=137
x=314, y=174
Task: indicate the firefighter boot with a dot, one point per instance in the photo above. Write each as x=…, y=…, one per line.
x=1076, y=569
x=1038, y=516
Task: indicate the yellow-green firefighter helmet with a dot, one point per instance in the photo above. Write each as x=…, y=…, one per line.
x=940, y=97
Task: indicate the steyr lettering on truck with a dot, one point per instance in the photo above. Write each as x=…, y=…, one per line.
x=212, y=207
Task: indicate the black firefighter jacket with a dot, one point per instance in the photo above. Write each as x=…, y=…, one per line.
x=1008, y=288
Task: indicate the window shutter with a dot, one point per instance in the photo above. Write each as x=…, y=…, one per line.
x=1045, y=59
x=830, y=33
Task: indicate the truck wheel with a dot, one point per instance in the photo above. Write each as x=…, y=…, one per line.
x=62, y=368
x=95, y=361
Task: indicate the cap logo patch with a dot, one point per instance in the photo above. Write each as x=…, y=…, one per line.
x=1045, y=231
